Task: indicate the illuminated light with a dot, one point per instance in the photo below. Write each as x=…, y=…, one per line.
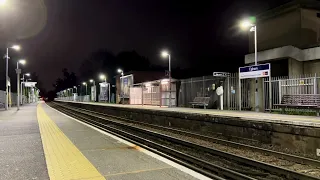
x=120, y=71
x=22, y=61
x=27, y=74
x=75, y=87
x=3, y=2
x=164, y=53
x=91, y=80
x=102, y=77
x=165, y=81
x=84, y=83
x=16, y=47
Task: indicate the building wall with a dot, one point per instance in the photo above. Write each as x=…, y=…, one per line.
x=310, y=27
x=295, y=67
x=311, y=67
x=281, y=30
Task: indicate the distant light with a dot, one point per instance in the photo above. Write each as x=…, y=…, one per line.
x=84, y=83
x=164, y=81
x=91, y=80
x=16, y=47
x=3, y=2
x=102, y=76
x=27, y=74
x=75, y=87
x=164, y=53
x=22, y=61
x=120, y=71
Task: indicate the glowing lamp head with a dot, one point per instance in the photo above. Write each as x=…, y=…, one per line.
x=120, y=71
x=15, y=47
x=84, y=83
x=245, y=24
x=164, y=53
x=27, y=74
x=91, y=80
x=102, y=77
x=22, y=61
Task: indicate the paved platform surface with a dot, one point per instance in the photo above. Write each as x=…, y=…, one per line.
x=21, y=152
x=246, y=115
x=41, y=143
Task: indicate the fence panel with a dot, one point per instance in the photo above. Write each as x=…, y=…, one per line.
x=300, y=84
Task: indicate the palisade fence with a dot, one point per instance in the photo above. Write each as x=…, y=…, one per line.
x=85, y=98
x=206, y=86
x=299, y=84
x=13, y=99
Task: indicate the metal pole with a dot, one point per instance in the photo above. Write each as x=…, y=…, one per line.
x=105, y=82
x=169, y=80
x=7, y=68
x=109, y=93
x=239, y=84
x=256, y=63
x=122, y=89
x=270, y=89
x=18, y=88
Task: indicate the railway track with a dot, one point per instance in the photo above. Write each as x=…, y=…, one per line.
x=214, y=163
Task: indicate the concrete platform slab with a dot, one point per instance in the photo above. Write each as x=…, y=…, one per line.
x=21, y=152
x=111, y=157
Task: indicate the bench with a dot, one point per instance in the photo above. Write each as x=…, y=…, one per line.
x=200, y=101
x=300, y=101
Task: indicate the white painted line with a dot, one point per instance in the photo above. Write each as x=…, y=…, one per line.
x=154, y=155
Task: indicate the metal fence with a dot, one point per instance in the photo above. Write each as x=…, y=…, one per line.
x=300, y=84
x=12, y=99
x=206, y=86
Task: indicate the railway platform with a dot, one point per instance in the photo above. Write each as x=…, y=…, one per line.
x=286, y=133
x=38, y=142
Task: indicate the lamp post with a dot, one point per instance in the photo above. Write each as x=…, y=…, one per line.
x=85, y=84
x=166, y=54
x=245, y=24
x=26, y=74
x=94, y=85
x=75, y=87
x=121, y=88
x=15, y=47
x=104, y=77
x=22, y=61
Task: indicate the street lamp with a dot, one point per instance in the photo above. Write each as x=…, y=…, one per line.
x=26, y=74
x=245, y=24
x=166, y=54
x=93, y=95
x=17, y=48
x=121, y=85
x=104, y=77
x=75, y=87
x=85, y=84
x=23, y=62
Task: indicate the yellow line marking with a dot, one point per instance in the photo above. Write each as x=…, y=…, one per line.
x=138, y=171
x=64, y=160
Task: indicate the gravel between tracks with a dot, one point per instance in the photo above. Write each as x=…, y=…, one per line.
x=302, y=168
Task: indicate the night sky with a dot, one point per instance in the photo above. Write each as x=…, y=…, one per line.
x=56, y=34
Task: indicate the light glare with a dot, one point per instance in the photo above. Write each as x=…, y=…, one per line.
x=91, y=80
x=102, y=77
x=22, y=61
x=16, y=47
x=164, y=53
x=119, y=70
x=84, y=83
x=27, y=74
x=3, y=2
x=245, y=24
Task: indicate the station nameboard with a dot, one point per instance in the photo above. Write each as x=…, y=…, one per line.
x=256, y=71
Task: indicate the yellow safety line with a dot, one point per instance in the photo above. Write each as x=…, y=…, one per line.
x=64, y=160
